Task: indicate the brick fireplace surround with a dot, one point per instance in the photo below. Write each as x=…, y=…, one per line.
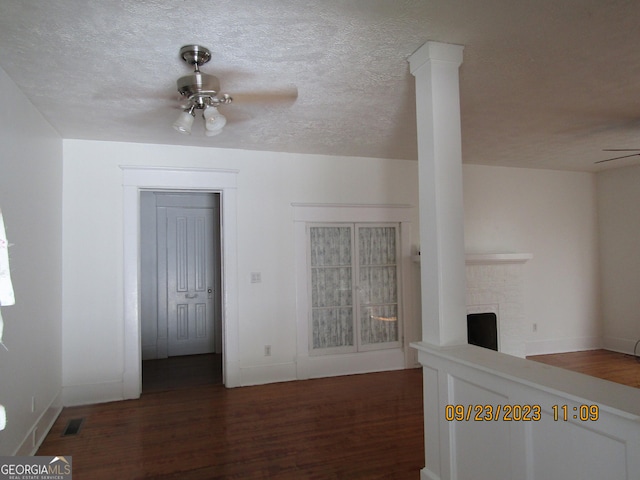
x=495, y=285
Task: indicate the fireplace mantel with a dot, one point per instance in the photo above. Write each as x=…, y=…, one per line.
x=490, y=258
x=496, y=258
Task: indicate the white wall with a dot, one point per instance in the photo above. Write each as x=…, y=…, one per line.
x=547, y=213
x=552, y=215
x=619, y=227
x=31, y=203
x=267, y=185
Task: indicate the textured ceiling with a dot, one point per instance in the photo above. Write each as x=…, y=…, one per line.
x=544, y=84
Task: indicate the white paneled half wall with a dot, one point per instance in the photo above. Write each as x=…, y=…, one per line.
x=495, y=416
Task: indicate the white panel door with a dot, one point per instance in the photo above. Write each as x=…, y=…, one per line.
x=190, y=281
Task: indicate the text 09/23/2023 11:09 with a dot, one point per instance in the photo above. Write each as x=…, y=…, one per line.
x=519, y=413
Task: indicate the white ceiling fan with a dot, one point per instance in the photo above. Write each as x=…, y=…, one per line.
x=202, y=92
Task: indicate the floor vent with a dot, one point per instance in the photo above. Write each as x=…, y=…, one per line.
x=73, y=427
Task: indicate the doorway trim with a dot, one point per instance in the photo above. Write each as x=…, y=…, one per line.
x=137, y=178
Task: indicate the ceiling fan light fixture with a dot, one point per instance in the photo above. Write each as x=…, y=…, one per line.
x=214, y=121
x=185, y=121
x=212, y=133
x=202, y=92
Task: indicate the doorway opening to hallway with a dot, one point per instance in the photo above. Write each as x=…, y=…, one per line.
x=180, y=289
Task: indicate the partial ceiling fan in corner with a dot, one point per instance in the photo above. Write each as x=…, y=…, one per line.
x=202, y=92
x=637, y=150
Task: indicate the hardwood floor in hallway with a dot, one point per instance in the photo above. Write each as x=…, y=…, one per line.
x=352, y=427
x=181, y=372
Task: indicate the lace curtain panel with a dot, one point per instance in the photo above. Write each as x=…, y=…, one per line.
x=335, y=316
x=331, y=287
x=378, y=284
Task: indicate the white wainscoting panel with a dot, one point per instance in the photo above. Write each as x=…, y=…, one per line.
x=474, y=459
x=575, y=450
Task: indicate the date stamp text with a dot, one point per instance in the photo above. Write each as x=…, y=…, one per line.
x=518, y=413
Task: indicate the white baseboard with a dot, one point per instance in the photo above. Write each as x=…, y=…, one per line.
x=305, y=367
x=262, y=374
x=36, y=434
x=324, y=366
x=622, y=345
x=544, y=347
x=73, y=395
x=350, y=363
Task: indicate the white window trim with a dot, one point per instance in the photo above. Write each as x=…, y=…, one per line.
x=310, y=366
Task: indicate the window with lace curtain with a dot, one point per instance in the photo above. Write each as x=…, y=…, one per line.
x=353, y=287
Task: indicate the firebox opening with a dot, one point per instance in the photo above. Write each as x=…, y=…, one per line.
x=482, y=330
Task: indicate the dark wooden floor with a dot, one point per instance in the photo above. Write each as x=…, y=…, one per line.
x=181, y=372
x=352, y=427
x=187, y=425
x=612, y=366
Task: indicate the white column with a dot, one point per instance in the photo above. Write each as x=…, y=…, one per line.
x=435, y=67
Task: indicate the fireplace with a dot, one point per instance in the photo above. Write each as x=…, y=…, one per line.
x=495, y=306
x=482, y=330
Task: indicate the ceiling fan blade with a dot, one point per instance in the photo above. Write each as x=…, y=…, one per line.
x=618, y=158
x=287, y=94
x=234, y=115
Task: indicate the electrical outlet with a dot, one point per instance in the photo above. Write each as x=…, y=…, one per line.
x=267, y=350
x=256, y=277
